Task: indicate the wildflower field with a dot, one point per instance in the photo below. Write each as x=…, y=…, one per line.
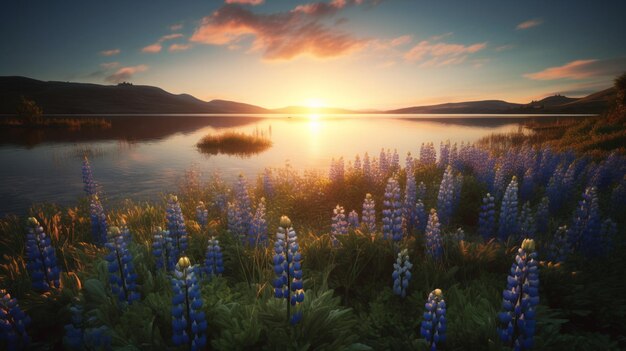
x=455, y=247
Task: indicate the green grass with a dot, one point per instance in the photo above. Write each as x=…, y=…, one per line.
x=233, y=143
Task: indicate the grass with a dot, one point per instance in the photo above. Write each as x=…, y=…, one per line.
x=233, y=143
x=57, y=122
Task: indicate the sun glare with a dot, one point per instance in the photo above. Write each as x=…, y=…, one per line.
x=315, y=103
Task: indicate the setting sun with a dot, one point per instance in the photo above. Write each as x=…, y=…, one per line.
x=315, y=103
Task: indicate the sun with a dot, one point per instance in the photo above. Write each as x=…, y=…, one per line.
x=314, y=103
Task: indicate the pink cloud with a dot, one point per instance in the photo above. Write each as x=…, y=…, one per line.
x=175, y=27
x=170, y=37
x=126, y=73
x=401, y=40
x=179, y=47
x=283, y=35
x=111, y=52
x=529, y=24
x=109, y=65
x=581, y=69
x=246, y=2
x=152, y=49
x=441, y=54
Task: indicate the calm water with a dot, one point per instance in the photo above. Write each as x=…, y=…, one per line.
x=143, y=157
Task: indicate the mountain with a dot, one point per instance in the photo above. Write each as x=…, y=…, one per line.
x=82, y=98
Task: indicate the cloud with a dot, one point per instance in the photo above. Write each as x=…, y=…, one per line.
x=179, y=47
x=441, y=54
x=504, y=47
x=581, y=69
x=109, y=65
x=125, y=73
x=175, y=27
x=283, y=35
x=401, y=40
x=152, y=48
x=110, y=52
x=529, y=24
x=247, y=2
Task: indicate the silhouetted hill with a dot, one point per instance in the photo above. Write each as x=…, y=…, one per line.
x=320, y=110
x=82, y=98
x=486, y=106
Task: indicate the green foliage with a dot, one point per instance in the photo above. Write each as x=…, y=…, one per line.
x=28, y=111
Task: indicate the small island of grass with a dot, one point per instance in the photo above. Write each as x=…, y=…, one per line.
x=233, y=143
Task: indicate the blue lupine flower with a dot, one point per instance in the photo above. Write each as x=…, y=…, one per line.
x=528, y=185
x=410, y=198
x=434, y=244
x=444, y=154
x=394, y=163
x=353, y=219
x=487, y=218
x=240, y=212
x=188, y=320
x=339, y=226
x=367, y=167
x=584, y=233
x=357, y=164
x=258, y=227
x=421, y=191
x=368, y=216
x=555, y=190
x=214, y=262
x=176, y=226
x=519, y=299
x=13, y=323
x=392, y=212
x=421, y=215
x=409, y=163
x=74, y=335
x=559, y=248
x=428, y=155
x=268, y=183
x=202, y=215
x=543, y=215
x=527, y=226
x=445, y=198
x=90, y=185
x=508, y=224
x=41, y=258
x=99, y=226
x=163, y=250
x=433, y=327
x=288, y=268
x=383, y=163
x=122, y=277
x=401, y=273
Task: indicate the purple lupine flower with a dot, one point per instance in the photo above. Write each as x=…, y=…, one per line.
x=163, y=250
x=392, y=212
x=202, y=215
x=99, y=226
x=421, y=215
x=410, y=198
x=368, y=216
x=434, y=243
x=339, y=226
x=41, y=258
x=188, y=320
x=508, y=224
x=176, y=226
x=90, y=186
x=543, y=215
x=401, y=273
x=559, y=247
x=13, y=323
x=214, y=262
x=487, y=218
x=288, y=268
x=527, y=227
x=585, y=231
x=353, y=219
x=258, y=228
x=445, y=198
x=122, y=277
x=433, y=327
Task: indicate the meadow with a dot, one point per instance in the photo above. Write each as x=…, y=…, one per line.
x=92, y=277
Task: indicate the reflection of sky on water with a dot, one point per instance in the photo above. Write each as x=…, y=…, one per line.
x=141, y=170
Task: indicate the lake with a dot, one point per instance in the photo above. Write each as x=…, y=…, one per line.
x=142, y=157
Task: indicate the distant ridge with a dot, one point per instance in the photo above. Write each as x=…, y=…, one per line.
x=84, y=98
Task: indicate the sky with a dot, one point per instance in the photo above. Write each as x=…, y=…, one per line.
x=365, y=54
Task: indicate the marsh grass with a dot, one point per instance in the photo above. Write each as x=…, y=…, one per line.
x=57, y=122
x=233, y=143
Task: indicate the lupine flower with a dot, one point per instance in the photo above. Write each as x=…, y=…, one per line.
x=268, y=183
x=339, y=225
x=394, y=164
x=487, y=218
x=202, y=215
x=433, y=327
x=163, y=250
x=288, y=268
x=409, y=163
x=367, y=167
x=520, y=298
x=584, y=234
x=258, y=228
x=543, y=215
x=410, y=198
x=89, y=185
x=458, y=235
x=74, y=335
x=434, y=244
x=214, y=263
x=421, y=215
x=368, y=216
x=392, y=212
x=526, y=191
x=188, y=321
x=99, y=226
x=383, y=163
x=13, y=323
x=428, y=155
x=445, y=198
x=176, y=226
x=559, y=248
x=353, y=219
x=240, y=212
x=337, y=171
x=421, y=191
x=444, y=154
x=508, y=224
x=527, y=226
x=401, y=273
x=41, y=258
x=122, y=277
x=357, y=163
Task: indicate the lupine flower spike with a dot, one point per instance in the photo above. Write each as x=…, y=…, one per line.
x=508, y=224
x=433, y=327
x=13, y=323
x=99, y=226
x=202, y=215
x=162, y=250
x=287, y=266
x=368, y=217
x=392, y=212
x=434, y=245
x=188, y=321
x=520, y=298
x=401, y=273
x=339, y=225
x=122, y=277
x=176, y=226
x=258, y=228
x=89, y=184
x=353, y=219
x=214, y=263
x=41, y=259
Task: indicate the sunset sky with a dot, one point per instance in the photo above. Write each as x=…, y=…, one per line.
x=343, y=53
